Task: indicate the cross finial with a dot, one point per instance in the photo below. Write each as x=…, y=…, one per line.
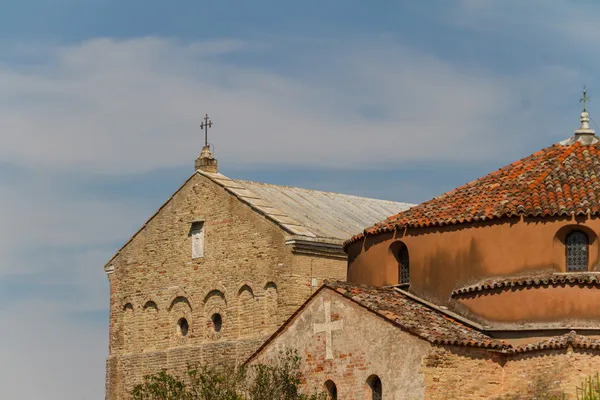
x=585, y=97
x=207, y=123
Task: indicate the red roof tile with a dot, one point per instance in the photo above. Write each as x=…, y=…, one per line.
x=559, y=342
x=558, y=180
x=550, y=279
x=415, y=317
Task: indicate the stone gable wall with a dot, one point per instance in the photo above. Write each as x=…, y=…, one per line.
x=247, y=275
x=366, y=345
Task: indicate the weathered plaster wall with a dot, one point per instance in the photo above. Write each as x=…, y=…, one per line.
x=365, y=345
x=247, y=275
x=445, y=258
x=569, y=302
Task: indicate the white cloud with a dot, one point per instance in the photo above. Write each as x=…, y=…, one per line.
x=127, y=106
x=122, y=107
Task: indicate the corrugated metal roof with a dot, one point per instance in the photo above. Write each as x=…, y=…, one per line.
x=311, y=213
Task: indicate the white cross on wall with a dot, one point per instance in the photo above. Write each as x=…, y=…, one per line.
x=328, y=326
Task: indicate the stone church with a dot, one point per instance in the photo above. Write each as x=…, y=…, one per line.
x=489, y=290
x=219, y=267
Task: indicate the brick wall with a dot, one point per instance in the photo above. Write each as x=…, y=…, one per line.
x=247, y=275
x=366, y=346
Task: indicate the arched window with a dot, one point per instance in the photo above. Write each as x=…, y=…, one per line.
x=577, y=245
x=400, y=253
x=331, y=390
x=375, y=385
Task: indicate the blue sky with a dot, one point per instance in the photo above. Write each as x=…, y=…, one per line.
x=100, y=103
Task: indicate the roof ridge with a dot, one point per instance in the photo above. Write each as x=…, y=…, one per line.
x=320, y=191
x=559, y=180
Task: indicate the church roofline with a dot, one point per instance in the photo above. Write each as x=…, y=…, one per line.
x=480, y=338
x=301, y=238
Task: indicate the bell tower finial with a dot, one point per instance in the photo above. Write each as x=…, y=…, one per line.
x=584, y=129
x=206, y=162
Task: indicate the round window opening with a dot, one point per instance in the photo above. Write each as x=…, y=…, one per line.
x=183, y=326
x=217, y=322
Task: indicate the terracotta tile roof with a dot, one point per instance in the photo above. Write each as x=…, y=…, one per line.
x=559, y=342
x=558, y=180
x=415, y=317
x=552, y=279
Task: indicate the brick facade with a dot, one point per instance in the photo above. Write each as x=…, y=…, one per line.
x=413, y=368
x=248, y=275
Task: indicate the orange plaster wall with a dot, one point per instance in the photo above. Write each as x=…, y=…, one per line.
x=445, y=258
x=536, y=303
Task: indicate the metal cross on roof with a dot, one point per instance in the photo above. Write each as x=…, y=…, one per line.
x=207, y=123
x=585, y=97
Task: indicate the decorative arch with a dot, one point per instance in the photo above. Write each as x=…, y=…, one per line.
x=150, y=304
x=178, y=295
x=128, y=328
x=215, y=293
x=270, y=303
x=247, y=311
x=245, y=285
x=150, y=324
x=216, y=318
x=375, y=387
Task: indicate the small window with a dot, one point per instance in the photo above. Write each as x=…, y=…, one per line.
x=217, y=322
x=577, y=248
x=183, y=327
x=331, y=390
x=400, y=252
x=197, y=234
x=375, y=385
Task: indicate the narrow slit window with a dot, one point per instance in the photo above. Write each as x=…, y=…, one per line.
x=376, y=389
x=197, y=234
x=577, y=249
x=404, y=266
x=331, y=389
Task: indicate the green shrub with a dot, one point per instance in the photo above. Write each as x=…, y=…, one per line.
x=279, y=380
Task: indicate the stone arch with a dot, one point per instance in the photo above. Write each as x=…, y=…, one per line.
x=151, y=324
x=128, y=327
x=215, y=308
x=178, y=295
x=180, y=310
x=248, y=312
x=270, y=307
x=177, y=300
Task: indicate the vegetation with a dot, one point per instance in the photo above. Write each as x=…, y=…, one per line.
x=277, y=381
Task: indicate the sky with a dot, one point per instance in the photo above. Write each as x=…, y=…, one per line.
x=101, y=101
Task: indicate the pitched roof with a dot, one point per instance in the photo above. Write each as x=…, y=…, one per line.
x=559, y=180
x=333, y=217
x=428, y=323
x=309, y=214
x=415, y=317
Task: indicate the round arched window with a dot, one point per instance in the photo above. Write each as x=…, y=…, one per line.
x=400, y=253
x=183, y=326
x=577, y=251
x=331, y=389
x=217, y=322
x=376, y=389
